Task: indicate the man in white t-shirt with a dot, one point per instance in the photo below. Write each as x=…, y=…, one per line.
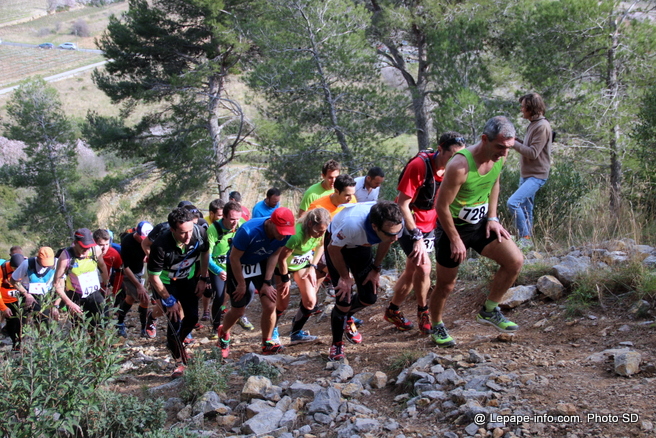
x=367, y=187
x=348, y=244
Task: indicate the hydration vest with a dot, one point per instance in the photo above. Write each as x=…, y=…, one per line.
x=426, y=194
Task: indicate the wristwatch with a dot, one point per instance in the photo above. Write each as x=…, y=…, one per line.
x=205, y=279
x=267, y=282
x=417, y=234
x=285, y=278
x=377, y=268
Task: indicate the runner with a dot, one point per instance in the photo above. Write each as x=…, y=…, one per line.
x=329, y=173
x=133, y=282
x=9, y=305
x=220, y=237
x=215, y=214
x=111, y=257
x=265, y=207
x=467, y=211
x=252, y=260
x=236, y=196
x=348, y=243
x=299, y=257
x=76, y=277
x=172, y=274
x=418, y=185
x=343, y=193
x=367, y=187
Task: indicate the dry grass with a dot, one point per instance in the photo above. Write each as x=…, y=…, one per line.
x=16, y=10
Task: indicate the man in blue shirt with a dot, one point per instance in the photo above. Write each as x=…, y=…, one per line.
x=251, y=261
x=265, y=207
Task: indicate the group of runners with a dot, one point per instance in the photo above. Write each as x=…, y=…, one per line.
x=446, y=203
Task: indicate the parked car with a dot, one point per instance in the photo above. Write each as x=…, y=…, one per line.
x=46, y=46
x=68, y=46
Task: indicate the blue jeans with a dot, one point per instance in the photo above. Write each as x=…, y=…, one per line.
x=521, y=203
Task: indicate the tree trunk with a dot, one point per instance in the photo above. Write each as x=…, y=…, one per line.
x=222, y=152
x=612, y=85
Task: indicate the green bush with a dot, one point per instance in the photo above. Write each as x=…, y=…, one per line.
x=53, y=386
x=263, y=369
x=204, y=375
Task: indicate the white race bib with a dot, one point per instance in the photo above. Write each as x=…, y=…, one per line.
x=89, y=283
x=38, y=288
x=13, y=293
x=251, y=270
x=473, y=215
x=430, y=244
x=302, y=259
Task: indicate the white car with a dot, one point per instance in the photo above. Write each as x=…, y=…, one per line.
x=68, y=46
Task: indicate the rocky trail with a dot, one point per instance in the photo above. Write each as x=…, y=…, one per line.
x=591, y=375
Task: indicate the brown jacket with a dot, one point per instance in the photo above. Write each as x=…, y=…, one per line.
x=535, y=150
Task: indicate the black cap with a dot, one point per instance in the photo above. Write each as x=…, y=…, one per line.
x=16, y=260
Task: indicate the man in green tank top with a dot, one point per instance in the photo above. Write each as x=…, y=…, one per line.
x=467, y=214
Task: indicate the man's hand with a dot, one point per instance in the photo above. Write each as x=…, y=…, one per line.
x=282, y=289
x=458, y=250
x=74, y=308
x=374, y=277
x=343, y=289
x=223, y=275
x=269, y=292
x=8, y=313
x=29, y=300
x=497, y=228
x=200, y=288
x=142, y=293
x=419, y=254
x=174, y=312
x=239, y=292
x=54, y=313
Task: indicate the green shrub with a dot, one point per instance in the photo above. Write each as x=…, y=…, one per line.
x=479, y=269
x=402, y=361
x=263, y=369
x=204, y=375
x=531, y=272
x=54, y=384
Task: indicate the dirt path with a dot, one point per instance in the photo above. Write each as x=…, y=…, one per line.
x=548, y=362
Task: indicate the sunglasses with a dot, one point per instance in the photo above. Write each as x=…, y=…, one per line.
x=391, y=234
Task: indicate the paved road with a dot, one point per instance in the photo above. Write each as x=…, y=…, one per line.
x=8, y=43
x=59, y=76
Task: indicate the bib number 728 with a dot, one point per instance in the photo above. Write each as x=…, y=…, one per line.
x=473, y=215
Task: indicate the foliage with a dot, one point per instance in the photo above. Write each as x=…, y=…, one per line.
x=479, y=269
x=531, y=272
x=124, y=415
x=553, y=212
x=177, y=55
x=402, y=361
x=264, y=369
x=316, y=71
x=204, y=375
x=80, y=28
x=644, y=134
x=53, y=386
x=37, y=119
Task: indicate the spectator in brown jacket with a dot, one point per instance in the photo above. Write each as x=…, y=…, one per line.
x=535, y=162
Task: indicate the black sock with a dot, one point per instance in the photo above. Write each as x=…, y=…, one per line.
x=301, y=318
x=337, y=324
x=393, y=307
x=421, y=309
x=143, y=313
x=123, y=310
x=278, y=314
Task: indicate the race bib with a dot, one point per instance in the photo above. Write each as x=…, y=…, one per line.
x=302, y=259
x=89, y=283
x=38, y=288
x=430, y=244
x=251, y=270
x=13, y=293
x=473, y=215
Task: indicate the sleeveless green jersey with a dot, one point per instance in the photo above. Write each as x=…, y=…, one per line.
x=471, y=203
x=303, y=251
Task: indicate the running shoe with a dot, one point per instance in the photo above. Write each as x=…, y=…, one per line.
x=189, y=340
x=358, y=322
x=301, y=337
x=336, y=352
x=120, y=328
x=224, y=310
x=206, y=316
x=271, y=347
x=495, y=318
x=198, y=326
x=223, y=343
x=151, y=331
x=275, y=336
x=441, y=337
x=352, y=334
x=245, y=324
x=424, y=322
x=178, y=371
x=396, y=317
x=214, y=335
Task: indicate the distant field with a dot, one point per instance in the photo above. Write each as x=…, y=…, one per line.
x=14, y=10
x=18, y=63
